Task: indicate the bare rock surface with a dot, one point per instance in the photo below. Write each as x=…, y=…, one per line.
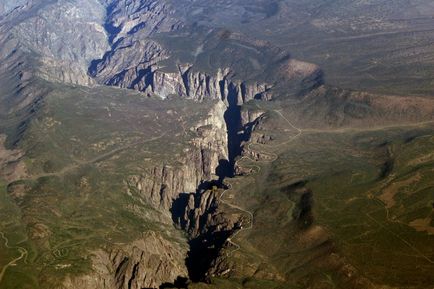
x=145, y=263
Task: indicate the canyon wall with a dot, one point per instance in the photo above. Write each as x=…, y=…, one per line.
x=145, y=263
x=162, y=184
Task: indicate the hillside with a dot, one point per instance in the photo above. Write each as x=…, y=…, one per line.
x=216, y=144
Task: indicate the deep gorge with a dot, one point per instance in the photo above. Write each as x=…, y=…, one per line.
x=205, y=245
x=197, y=213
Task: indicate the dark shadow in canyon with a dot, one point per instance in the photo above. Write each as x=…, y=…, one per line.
x=180, y=282
x=206, y=244
x=237, y=134
x=206, y=241
x=233, y=123
x=206, y=238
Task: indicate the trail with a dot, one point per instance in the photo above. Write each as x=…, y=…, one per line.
x=250, y=213
x=24, y=253
x=388, y=219
x=94, y=160
x=420, y=254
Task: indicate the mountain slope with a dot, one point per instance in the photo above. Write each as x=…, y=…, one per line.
x=151, y=144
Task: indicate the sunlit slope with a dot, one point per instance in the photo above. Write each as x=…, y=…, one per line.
x=333, y=208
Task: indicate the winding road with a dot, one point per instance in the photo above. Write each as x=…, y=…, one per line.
x=23, y=254
x=249, y=213
x=77, y=164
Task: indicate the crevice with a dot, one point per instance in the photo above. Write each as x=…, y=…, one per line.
x=197, y=213
x=143, y=75
x=111, y=29
x=233, y=123
x=185, y=80
x=237, y=132
x=204, y=250
x=133, y=275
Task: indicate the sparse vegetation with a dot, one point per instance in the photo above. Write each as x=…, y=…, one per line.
x=344, y=171
x=335, y=186
x=80, y=151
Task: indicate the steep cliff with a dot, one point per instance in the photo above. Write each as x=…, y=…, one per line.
x=66, y=37
x=139, y=19
x=143, y=73
x=196, y=214
x=137, y=57
x=208, y=227
x=107, y=198
x=197, y=85
x=42, y=42
x=129, y=24
x=145, y=263
x=162, y=184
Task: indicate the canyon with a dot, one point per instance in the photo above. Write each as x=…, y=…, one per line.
x=146, y=145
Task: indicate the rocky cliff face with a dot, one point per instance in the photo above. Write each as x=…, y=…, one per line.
x=145, y=263
x=52, y=40
x=128, y=64
x=134, y=60
x=199, y=214
x=186, y=82
x=66, y=37
x=163, y=184
x=198, y=86
x=190, y=193
x=208, y=227
x=139, y=19
x=129, y=24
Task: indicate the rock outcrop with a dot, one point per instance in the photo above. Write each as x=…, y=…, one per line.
x=67, y=37
x=208, y=228
x=200, y=214
x=135, y=58
x=145, y=263
x=139, y=19
x=161, y=185
x=195, y=85
x=129, y=24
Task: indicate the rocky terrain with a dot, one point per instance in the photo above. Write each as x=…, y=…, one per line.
x=162, y=144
